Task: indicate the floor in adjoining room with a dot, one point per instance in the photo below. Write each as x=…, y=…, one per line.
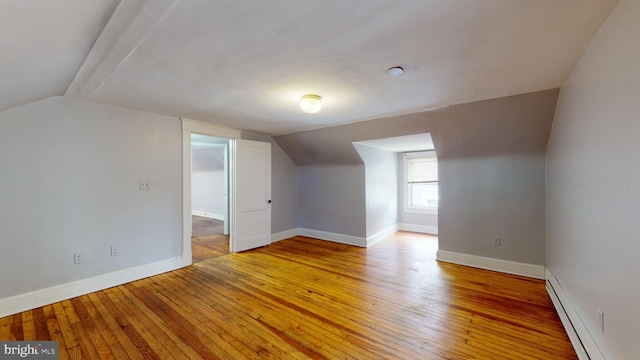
x=208, y=240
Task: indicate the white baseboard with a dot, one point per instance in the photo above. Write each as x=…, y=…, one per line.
x=284, y=235
x=419, y=228
x=381, y=235
x=505, y=266
x=339, y=238
x=34, y=299
x=208, y=215
x=582, y=341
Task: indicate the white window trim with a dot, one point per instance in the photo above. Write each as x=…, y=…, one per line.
x=406, y=207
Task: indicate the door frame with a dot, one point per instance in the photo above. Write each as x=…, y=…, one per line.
x=197, y=127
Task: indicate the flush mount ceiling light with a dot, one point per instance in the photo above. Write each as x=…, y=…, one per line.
x=311, y=103
x=395, y=71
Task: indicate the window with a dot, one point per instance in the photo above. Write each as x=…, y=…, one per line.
x=421, y=179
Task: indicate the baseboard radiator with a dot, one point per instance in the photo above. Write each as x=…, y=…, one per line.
x=582, y=341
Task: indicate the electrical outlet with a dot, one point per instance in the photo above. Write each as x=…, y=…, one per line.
x=78, y=258
x=497, y=241
x=114, y=250
x=145, y=185
x=601, y=319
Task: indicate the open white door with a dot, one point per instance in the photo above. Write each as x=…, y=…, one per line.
x=250, y=195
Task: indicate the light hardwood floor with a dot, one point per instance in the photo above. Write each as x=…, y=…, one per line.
x=303, y=298
x=208, y=239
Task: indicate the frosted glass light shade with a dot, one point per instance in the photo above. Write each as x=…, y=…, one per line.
x=311, y=103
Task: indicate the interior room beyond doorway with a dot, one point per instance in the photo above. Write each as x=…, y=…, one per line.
x=209, y=197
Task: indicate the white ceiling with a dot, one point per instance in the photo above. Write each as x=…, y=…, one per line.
x=43, y=44
x=415, y=142
x=246, y=63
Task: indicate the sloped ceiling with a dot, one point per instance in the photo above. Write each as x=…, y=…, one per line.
x=44, y=43
x=245, y=64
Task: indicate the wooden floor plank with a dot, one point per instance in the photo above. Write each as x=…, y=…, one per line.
x=346, y=336
x=190, y=306
x=244, y=325
x=68, y=335
x=106, y=332
x=133, y=341
x=150, y=339
x=208, y=247
x=386, y=322
x=28, y=327
x=180, y=325
x=55, y=333
x=40, y=324
x=208, y=240
x=282, y=322
x=110, y=322
x=17, y=332
x=303, y=298
x=96, y=335
x=5, y=328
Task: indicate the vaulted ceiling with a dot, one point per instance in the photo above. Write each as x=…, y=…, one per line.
x=245, y=64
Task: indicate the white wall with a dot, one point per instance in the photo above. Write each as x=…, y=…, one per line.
x=70, y=183
x=332, y=199
x=381, y=189
x=427, y=223
x=208, y=182
x=493, y=196
x=284, y=191
x=593, y=185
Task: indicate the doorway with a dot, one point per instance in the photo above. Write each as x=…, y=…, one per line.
x=209, y=197
x=242, y=229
